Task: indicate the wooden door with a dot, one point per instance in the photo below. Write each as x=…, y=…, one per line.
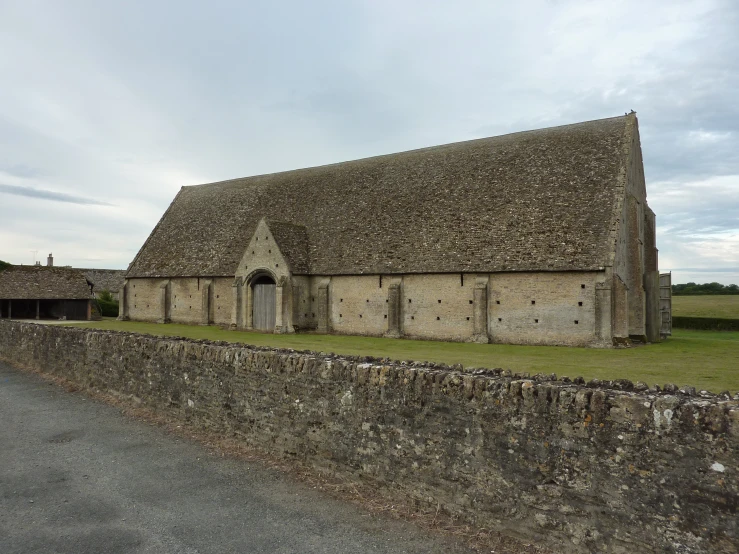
x=263, y=311
x=665, y=304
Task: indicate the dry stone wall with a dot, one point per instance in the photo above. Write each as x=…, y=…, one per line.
x=582, y=467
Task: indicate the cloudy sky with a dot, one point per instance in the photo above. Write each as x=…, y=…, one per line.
x=108, y=108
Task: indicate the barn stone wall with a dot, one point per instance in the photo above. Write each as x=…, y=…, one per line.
x=358, y=305
x=544, y=308
x=184, y=299
x=520, y=308
x=438, y=306
x=596, y=467
x=143, y=299
x=302, y=306
x=222, y=300
x=515, y=308
x=635, y=257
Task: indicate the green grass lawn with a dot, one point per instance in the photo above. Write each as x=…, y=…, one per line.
x=723, y=306
x=704, y=359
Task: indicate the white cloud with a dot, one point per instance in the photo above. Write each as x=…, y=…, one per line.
x=708, y=136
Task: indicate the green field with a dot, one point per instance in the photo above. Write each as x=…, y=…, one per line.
x=724, y=306
x=704, y=359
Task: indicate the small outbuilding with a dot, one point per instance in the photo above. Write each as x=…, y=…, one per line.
x=43, y=292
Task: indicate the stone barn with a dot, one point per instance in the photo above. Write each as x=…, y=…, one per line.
x=45, y=292
x=538, y=237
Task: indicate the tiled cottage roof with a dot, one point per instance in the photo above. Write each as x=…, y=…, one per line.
x=33, y=282
x=105, y=279
x=536, y=200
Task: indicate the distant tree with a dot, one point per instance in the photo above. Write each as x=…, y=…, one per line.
x=106, y=296
x=693, y=289
x=4, y=265
x=108, y=305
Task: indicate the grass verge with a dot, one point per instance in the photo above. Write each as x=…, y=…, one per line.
x=724, y=306
x=704, y=359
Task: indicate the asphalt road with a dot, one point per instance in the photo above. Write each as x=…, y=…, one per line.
x=78, y=477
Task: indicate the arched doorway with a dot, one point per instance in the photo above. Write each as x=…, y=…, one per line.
x=263, y=310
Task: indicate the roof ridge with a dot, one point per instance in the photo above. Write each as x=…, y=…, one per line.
x=410, y=151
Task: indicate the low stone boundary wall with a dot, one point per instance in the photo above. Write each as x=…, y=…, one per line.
x=581, y=467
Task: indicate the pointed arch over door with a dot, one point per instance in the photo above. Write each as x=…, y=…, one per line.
x=264, y=313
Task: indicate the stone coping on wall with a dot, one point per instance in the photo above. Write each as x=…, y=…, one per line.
x=504, y=375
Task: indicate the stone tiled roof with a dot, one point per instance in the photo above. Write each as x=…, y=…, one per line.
x=105, y=279
x=293, y=243
x=530, y=201
x=29, y=282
